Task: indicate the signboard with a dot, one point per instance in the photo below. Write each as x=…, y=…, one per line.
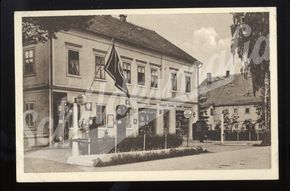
x=187, y=113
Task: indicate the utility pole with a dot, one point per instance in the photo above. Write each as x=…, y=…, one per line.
x=75, y=146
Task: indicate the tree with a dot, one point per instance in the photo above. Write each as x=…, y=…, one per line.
x=41, y=29
x=250, y=40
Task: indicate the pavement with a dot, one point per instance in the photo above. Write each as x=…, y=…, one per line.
x=227, y=156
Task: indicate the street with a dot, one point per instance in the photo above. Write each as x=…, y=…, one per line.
x=218, y=157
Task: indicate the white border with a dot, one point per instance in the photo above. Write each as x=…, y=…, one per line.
x=264, y=174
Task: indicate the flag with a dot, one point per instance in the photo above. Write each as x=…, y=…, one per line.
x=114, y=69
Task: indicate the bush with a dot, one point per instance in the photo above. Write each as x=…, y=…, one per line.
x=139, y=157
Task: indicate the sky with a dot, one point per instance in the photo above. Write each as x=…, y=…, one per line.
x=205, y=36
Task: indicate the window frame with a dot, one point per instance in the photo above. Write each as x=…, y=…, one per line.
x=33, y=73
x=155, y=77
x=236, y=111
x=141, y=66
x=190, y=89
x=247, y=110
x=171, y=79
x=68, y=62
x=125, y=70
x=34, y=106
x=104, y=116
x=103, y=58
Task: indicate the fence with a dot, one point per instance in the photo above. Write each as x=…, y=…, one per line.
x=137, y=143
x=236, y=135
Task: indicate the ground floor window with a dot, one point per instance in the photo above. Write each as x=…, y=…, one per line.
x=100, y=115
x=147, y=121
x=29, y=118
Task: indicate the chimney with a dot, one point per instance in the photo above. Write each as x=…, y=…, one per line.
x=123, y=17
x=208, y=77
x=227, y=73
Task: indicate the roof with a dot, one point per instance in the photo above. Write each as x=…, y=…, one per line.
x=137, y=35
x=232, y=90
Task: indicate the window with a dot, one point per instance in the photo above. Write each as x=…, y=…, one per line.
x=247, y=110
x=174, y=81
x=154, y=78
x=141, y=75
x=225, y=111
x=187, y=84
x=101, y=115
x=29, y=119
x=211, y=111
x=127, y=71
x=236, y=126
x=236, y=111
x=73, y=63
x=128, y=118
x=28, y=62
x=100, y=64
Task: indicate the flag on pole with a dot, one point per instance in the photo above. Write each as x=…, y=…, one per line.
x=114, y=69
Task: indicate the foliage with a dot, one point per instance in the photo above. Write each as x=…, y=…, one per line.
x=40, y=29
x=250, y=40
x=249, y=125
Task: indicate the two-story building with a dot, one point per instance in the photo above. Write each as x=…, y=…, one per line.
x=161, y=78
x=230, y=94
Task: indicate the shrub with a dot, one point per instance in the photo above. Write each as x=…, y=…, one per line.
x=151, y=142
x=139, y=157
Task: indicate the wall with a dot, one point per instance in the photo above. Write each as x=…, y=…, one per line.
x=41, y=76
x=87, y=42
x=241, y=113
x=41, y=128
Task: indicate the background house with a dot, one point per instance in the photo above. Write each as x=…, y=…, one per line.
x=162, y=80
x=231, y=94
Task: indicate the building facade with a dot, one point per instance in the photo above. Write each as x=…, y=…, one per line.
x=161, y=78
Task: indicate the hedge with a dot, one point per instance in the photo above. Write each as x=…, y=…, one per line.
x=151, y=142
x=107, y=144
x=139, y=157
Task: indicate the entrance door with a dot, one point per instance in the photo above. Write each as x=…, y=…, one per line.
x=121, y=111
x=181, y=123
x=62, y=117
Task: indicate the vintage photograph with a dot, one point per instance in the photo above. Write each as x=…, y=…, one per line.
x=147, y=94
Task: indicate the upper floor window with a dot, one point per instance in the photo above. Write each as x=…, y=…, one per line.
x=141, y=75
x=29, y=119
x=211, y=111
x=187, y=84
x=127, y=71
x=174, y=81
x=236, y=111
x=29, y=61
x=247, y=110
x=100, y=64
x=154, y=78
x=100, y=115
x=73, y=63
